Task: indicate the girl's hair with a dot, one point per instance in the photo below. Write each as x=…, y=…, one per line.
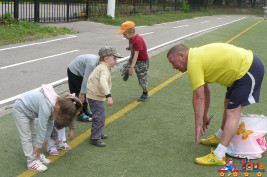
x=70, y=107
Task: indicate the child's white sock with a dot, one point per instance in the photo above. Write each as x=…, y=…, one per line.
x=219, y=134
x=220, y=151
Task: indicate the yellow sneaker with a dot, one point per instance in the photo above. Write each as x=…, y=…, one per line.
x=209, y=159
x=211, y=141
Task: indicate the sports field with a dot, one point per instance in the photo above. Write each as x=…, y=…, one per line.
x=150, y=139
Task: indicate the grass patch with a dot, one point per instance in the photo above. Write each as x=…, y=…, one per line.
x=162, y=17
x=13, y=31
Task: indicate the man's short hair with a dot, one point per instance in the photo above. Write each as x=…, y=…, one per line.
x=177, y=48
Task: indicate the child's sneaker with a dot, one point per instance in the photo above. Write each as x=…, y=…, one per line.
x=143, y=97
x=125, y=76
x=88, y=113
x=63, y=146
x=52, y=151
x=84, y=118
x=37, y=165
x=44, y=160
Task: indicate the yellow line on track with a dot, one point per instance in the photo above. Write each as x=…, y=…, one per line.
x=242, y=32
x=85, y=135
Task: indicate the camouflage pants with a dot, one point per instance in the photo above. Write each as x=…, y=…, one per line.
x=141, y=69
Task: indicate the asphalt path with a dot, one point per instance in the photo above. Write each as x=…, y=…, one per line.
x=27, y=66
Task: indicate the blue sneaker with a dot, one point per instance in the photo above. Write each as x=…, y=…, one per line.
x=143, y=97
x=88, y=113
x=84, y=118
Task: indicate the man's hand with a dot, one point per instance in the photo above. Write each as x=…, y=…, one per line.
x=110, y=101
x=71, y=134
x=206, y=122
x=82, y=97
x=37, y=152
x=199, y=131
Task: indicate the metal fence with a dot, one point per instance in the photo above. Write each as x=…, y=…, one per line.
x=45, y=10
x=74, y=10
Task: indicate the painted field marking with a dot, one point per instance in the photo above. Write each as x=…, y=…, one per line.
x=180, y=26
x=205, y=22
x=38, y=43
x=38, y=59
x=242, y=32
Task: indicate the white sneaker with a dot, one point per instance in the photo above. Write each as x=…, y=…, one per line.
x=44, y=160
x=37, y=165
x=52, y=151
x=63, y=146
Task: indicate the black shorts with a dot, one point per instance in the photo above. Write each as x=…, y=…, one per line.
x=246, y=90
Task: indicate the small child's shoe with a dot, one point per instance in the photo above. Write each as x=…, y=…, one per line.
x=63, y=146
x=143, y=98
x=88, y=113
x=84, y=118
x=53, y=151
x=44, y=160
x=37, y=165
x=125, y=76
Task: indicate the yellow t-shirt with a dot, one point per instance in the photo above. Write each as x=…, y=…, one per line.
x=217, y=62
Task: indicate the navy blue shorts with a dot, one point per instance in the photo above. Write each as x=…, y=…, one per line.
x=246, y=90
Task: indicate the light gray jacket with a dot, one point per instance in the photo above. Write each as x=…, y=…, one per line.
x=35, y=104
x=83, y=66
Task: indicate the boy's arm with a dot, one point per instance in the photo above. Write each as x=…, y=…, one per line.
x=136, y=53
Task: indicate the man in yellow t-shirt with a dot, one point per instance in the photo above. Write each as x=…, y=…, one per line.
x=237, y=69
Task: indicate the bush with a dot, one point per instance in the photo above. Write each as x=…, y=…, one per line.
x=7, y=19
x=185, y=7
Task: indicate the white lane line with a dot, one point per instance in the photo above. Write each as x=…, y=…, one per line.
x=17, y=96
x=219, y=18
x=146, y=33
x=38, y=43
x=180, y=26
x=38, y=59
x=205, y=22
x=126, y=58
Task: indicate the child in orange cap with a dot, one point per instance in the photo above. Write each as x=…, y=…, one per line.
x=139, y=60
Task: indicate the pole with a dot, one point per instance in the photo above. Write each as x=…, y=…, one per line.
x=36, y=11
x=111, y=8
x=16, y=9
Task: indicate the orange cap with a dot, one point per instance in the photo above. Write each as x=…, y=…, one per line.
x=125, y=26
